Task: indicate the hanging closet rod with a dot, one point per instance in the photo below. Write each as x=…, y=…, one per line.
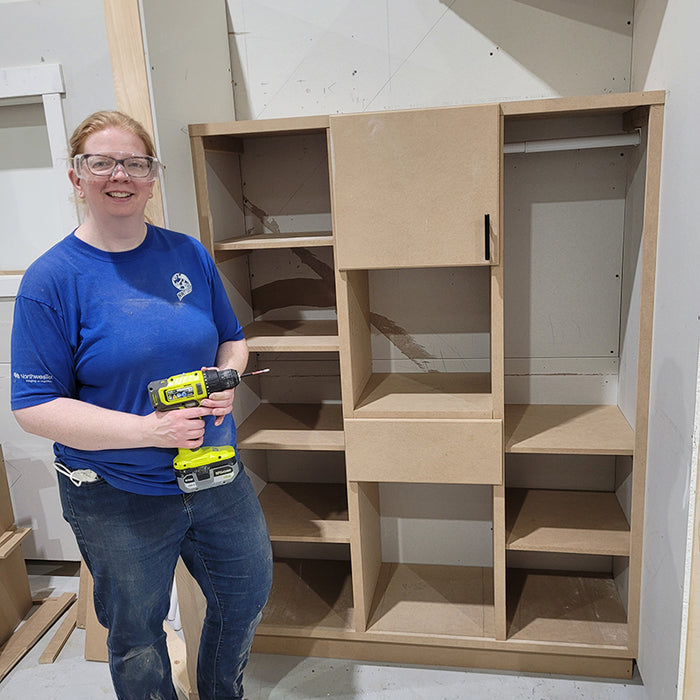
x=572, y=144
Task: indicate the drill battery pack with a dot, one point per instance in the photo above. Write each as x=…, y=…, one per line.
x=196, y=470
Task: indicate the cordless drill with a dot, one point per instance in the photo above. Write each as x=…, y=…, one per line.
x=204, y=467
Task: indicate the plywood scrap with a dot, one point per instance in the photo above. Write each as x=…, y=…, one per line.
x=178, y=661
x=12, y=538
x=29, y=633
x=58, y=641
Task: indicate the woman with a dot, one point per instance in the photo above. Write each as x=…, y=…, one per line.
x=116, y=304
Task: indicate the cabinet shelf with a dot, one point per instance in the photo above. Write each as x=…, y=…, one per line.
x=580, y=522
x=426, y=395
x=309, y=597
x=292, y=336
x=283, y=426
x=429, y=599
x=567, y=429
x=567, y=608
x=305, y=512
x=266, y=241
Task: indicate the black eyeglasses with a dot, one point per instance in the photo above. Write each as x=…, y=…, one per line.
x=138, y=167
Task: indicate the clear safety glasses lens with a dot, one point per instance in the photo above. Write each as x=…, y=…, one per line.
x=137, y=167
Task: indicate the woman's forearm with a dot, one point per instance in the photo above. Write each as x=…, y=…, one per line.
x=233, y=354
x=84, y=426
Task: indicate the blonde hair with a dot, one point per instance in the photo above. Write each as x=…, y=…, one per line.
x=104, y=120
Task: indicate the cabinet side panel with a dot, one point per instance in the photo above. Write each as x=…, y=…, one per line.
x=352, y=289
x=363, y=512
x=632, y=273
x=646, y=319
x=202, y=193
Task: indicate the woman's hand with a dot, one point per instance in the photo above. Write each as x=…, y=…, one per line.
x=220, y=403
x=183, y=427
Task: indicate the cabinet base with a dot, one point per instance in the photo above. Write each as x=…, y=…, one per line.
x=596, y=666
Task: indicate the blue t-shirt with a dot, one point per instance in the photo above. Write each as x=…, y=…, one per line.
x=98, y=327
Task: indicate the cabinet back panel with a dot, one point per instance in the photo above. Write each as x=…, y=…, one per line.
x=297, y=377
x=436, y=524
x=292, y=283
x=430, y=319
x=225, y=195
x=568, y=472
x=563, y=243
x=286, y=183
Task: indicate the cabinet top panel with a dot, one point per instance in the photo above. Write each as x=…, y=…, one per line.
x=621, y=101
x=262, y=126
x=593, y=103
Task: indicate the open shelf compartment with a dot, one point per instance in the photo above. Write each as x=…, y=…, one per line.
x=417, y=579
x=427, y=600
x=309, y=597
x=567, y=429
x=568, y=608
x=416, y=355
x=306, y=512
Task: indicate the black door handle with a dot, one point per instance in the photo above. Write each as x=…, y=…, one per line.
x=487, y=236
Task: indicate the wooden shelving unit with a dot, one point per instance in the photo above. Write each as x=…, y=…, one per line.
x=438, y=314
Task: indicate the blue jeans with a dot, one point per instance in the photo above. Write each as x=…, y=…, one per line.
x=131, y=544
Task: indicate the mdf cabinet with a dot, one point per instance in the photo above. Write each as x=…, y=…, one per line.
x=455, y=298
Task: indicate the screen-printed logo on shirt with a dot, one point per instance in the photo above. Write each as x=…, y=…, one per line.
x=33, y=378
x=181, y=282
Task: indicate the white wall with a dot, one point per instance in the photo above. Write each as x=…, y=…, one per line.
x=666, y=55
x=72, y=33
x=294, y=57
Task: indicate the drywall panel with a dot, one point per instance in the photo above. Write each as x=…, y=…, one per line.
x=187, y=52
x=69, y=32
x=293, y=57
x=665, y=55
x=26, y=172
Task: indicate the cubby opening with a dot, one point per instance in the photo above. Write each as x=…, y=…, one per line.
x=420, y=342
x=426, y=558
x=268, y=189
x=571, y=599
x=311, y=592
x=568, y=543
x=295, y=406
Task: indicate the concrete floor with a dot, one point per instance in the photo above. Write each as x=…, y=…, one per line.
x=270, y=677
